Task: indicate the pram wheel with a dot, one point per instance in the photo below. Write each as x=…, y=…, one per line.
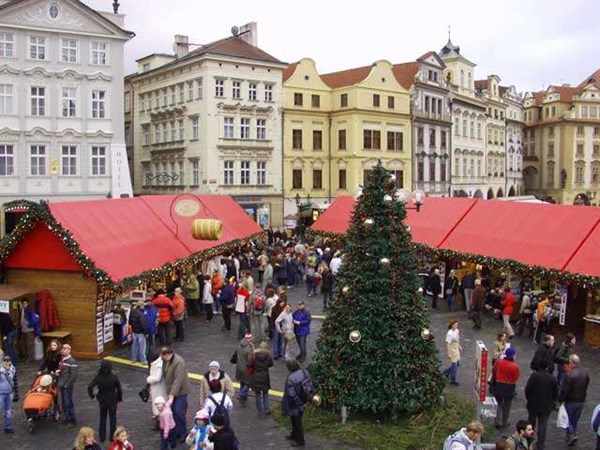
x=30, y=425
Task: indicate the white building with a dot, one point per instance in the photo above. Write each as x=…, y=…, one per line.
x=209, y=121
x=61, y=114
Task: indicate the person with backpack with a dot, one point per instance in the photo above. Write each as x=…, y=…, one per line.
x=465, y=438
x=297, y=393
x=217, y=374
x=218, y=403
x=522, y=439
x=256, y=310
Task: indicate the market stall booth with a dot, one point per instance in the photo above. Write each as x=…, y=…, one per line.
x=558, y=246
x=88, y=254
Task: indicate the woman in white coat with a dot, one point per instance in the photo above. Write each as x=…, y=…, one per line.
x=157, y=383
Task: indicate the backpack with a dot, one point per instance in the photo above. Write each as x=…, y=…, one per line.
x=456, y=437
x=259, y=303
x=220, y=411
x=307, y=390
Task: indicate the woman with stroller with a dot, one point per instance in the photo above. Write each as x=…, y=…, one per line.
x=51, y=360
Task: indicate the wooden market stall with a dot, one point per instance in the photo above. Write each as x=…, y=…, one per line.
x=87, y=253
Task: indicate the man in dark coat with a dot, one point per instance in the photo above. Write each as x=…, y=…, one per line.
x=109, y=395
x=573, y=391
x=435, y=287
x=541, y=393
x=544, y=353
x=260, y=381
x=477, y=302
x=292, y=404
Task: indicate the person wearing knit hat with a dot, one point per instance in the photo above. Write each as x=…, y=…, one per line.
x=197, y=438
x=506, y=372
x=243, y=357
x=166, y=423
x=260, y=381
x=215, y=373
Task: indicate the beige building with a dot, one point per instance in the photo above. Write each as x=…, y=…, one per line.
x=208, y=121
x=337, y=126
x=562, y=143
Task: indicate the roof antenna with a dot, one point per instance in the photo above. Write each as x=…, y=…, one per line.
x=115, y=6
x=448, y=32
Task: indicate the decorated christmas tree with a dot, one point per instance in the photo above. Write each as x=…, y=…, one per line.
x=375, y=354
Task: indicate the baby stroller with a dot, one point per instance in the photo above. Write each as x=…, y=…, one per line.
x=41, y=402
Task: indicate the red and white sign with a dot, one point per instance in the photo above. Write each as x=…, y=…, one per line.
x=481, y=372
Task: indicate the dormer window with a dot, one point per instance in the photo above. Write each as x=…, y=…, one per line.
x=53, y=11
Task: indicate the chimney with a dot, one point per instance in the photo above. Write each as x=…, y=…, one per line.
x=249, y=33
x=181, y=46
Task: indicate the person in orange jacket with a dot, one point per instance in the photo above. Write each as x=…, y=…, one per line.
x=165, y=313
x=178, y=313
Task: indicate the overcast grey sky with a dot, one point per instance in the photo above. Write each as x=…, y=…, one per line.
x=530, y=44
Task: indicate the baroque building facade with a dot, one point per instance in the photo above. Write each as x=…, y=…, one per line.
x=208, y=121
x=562, y=143
x=337, y=126
x=61, y=116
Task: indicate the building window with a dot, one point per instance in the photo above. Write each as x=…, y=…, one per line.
x=195, y=173
x=245, y=172
x=252, y=91
x=6, y=98
x=376, y=100
x=261, y=173
x=268, y=93
x=228, y=125
x=69, y=51
x=99, y=53
x=190, y=92
x=37, y=47
x=342, y=179
x=420, y=134
x=127, y=102
x=194, y=128
x=98, y=160
x=372, y=139
x=199, y=89
x=472, y=129
x=464, y=128
x=38, y=160
x=7, y=45
x=219, y=88
x=261, y=129
x=69, y=160
x=244, y=128
x=165, y=101
x=38, y=101
x=595, y=174
x=236, y=89
x=181, y=171
x=7, y=160
x=579, y=151
x=579, y=171
x=69, y=98
x=317, y=140
x=344, y=100
x=157, y=133
x=297, y=139
x=228, y=172
x=181, y=130
x=550, y=181
x=98, y=104
x=443, y=169
x=173, y=94
x=457, y=127
x=432, y=137
x=479, y=128
x=146, y=134
x=391, y=102
x=297, y=99
x=395, y=140
x=399, y=178
x=443, y=141
x=431, y=170
x=342, y=139
x=173, y=131
x=316, y=101
x=297, y=179
x=317, y=179
x=420, y=170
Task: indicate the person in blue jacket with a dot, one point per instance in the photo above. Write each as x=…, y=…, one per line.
x=302, y=319
x=151, y=316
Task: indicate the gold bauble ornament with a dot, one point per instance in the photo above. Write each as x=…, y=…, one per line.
x=420, y=290
x=317, y=400
x=345, y=289
x=388, y=198
x=384, y=261
x=425, y=334
x=369, y=222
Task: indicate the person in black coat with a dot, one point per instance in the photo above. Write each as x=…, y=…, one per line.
x=224, y=438
x=541, y=393
x=109, y=395
x=544, y=353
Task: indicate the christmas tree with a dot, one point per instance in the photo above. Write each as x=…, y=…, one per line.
x=375, y=354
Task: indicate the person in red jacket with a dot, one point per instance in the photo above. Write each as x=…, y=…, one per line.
x=508, y=303
x=165, y=308
x=506, y=373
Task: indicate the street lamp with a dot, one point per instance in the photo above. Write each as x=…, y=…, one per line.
x=417, y=197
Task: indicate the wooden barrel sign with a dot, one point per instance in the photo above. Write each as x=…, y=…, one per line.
x=207, y=229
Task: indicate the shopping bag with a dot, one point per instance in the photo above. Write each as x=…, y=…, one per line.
x=562, y=420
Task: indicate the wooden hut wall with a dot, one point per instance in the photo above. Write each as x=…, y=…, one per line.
x=75, y=298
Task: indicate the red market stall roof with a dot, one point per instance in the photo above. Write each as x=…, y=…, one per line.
x=430, y=226
x=555, y=237
x=121, y=240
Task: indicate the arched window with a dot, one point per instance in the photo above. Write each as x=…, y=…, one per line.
x=469, y=79
x=462, y=78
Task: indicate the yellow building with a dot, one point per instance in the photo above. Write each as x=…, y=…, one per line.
x=562, y=143
x=337, y=126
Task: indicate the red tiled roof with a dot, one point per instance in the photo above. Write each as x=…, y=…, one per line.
x=592, y=79
x=232, y=46
x=427, y=55
x=289, y=71
x=405, y=73
x=348, y=77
